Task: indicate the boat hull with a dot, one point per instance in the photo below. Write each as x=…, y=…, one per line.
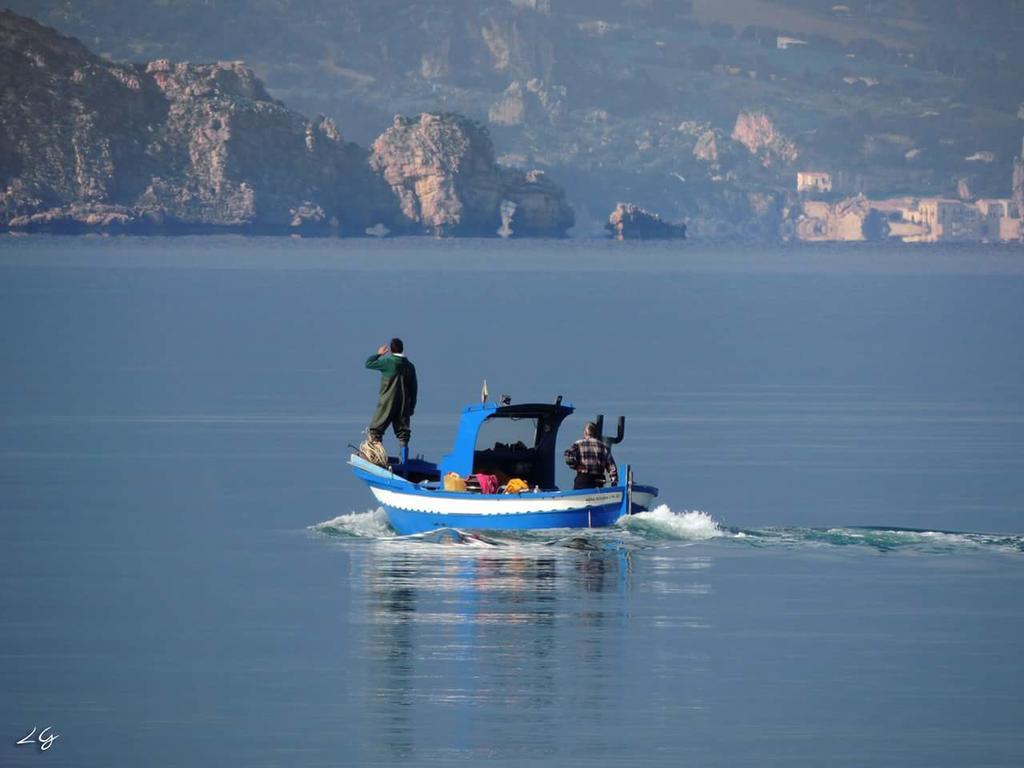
x=406, y=522
x=412, y=508
x=514, y=513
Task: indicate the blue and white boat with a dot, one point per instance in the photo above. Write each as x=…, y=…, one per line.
x=507, y=441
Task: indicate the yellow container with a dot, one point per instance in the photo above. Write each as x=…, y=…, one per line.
x=452, y=482
x=516, y=485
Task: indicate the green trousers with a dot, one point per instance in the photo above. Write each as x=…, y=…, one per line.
x=384, y=417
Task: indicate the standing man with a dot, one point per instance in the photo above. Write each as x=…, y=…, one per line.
x=591, y=459
x=397, y=394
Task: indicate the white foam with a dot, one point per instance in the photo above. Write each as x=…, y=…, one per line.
x=690, y=526
x=370, y=525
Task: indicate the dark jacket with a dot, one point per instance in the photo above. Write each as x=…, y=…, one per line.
x=397, y=385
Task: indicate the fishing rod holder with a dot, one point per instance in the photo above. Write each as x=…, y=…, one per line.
x=619, y=433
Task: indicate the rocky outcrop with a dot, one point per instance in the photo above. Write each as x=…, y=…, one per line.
x=236, y=157
x=757, y=132
x=631, y=222
x=521, y=104
x=66, y=118
x=90, y=145
x=442, y=169
x=93, y=145
x=77, y=218
x=515, y=106
x=537, y=205
x=706, y=148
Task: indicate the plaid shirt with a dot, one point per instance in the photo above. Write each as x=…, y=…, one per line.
x=590, y=456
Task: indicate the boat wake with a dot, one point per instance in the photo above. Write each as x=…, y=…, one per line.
x=663, y=524
x=365, y=525
x=883, y=539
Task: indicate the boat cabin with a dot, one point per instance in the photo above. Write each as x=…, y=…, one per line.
x=508, y=441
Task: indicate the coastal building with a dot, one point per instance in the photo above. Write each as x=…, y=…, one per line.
x=997, y=223
x=813, y=181
x=909, y=220
x=946, y=220
x=1017, y=185
x=813, y=224
x=845, y=221
x=907, y=231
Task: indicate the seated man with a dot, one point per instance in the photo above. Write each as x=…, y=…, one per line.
x=591, y=459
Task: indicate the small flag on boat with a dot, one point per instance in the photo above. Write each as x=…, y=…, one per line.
x=484, y=394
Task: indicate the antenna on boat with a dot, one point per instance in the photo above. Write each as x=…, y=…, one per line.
x=484, y=393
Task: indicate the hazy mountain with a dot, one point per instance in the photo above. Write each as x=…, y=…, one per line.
x=635, y=99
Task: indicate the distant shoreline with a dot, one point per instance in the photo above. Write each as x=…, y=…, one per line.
x=687, y=244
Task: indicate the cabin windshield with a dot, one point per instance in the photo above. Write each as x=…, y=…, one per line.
x=508, y=447
x=508, y=431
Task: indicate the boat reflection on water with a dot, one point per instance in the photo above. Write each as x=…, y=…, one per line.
x=473, y=645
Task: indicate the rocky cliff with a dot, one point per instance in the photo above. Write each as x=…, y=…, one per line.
x=442, y=169
x=757, y=132
x=88, y=144
x=228, y=155
x=634, y=99
x=67, y=119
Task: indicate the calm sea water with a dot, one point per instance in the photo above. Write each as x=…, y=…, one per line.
x=190, y=575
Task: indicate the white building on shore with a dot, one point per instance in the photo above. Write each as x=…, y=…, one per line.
x=909, y=220
x=813, y=181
